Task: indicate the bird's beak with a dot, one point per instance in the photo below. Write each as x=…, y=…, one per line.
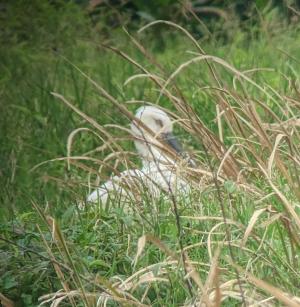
x=171, y=140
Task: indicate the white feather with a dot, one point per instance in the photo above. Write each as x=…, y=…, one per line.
x=159, y=172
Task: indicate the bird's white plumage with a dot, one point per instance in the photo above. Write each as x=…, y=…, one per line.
x=158, y=173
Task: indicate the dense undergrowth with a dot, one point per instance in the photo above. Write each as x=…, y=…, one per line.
x=238, y=238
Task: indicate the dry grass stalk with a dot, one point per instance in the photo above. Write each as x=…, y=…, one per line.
x=276, y=292
x=6, y=302
x=263, y=151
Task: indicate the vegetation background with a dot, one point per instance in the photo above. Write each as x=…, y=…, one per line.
x=47, y=244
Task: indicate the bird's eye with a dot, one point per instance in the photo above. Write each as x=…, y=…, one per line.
x=159, y=123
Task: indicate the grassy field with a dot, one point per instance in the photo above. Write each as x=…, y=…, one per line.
x=238, y=237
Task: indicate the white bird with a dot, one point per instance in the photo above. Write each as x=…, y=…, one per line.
x=159, y=172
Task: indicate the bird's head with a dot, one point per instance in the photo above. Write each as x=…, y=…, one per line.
x=160, y=124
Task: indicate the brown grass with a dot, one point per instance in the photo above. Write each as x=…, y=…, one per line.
x=263, y=160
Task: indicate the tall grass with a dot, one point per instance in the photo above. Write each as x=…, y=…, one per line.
x=234, y=240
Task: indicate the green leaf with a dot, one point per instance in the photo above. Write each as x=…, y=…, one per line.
x=98, y=263
x=27, y=299
x=261, y=3
x=9, y=282
x=230, y=186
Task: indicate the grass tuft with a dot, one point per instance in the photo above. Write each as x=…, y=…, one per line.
x=234, y=240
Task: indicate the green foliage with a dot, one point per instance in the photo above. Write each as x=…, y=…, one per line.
x=34, y=128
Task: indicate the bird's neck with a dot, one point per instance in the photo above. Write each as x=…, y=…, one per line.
x=151, y=155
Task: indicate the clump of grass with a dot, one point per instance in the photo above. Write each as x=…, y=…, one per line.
x=234, y=240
